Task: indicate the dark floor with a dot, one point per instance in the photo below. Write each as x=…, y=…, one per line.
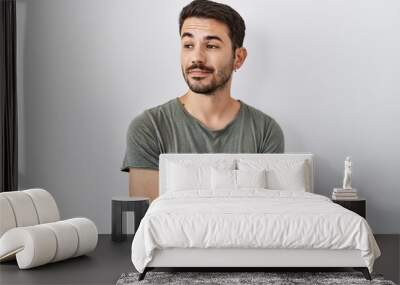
x=102, y=266
x=111, y=259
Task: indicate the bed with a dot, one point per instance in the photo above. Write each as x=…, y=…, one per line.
x=245, y=211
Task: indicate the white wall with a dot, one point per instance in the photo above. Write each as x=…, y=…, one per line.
x=327, y=71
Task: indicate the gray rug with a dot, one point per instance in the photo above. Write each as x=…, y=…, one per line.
x=269, y=278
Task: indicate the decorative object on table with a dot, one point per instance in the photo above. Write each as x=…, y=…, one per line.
x=347, y=173
x=121, y=205
x=347, y=192
x=358, y=206
x=31, y=231
x=248, y=278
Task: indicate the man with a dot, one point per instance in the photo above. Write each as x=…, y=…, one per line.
x=206, y=119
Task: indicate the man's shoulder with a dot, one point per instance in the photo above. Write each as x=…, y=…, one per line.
x=166, y=107
x=153, y=115
x=263, y=122
x=273, y=138
x=257, y=115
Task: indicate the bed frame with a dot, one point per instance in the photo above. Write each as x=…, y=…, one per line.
x=240, y=259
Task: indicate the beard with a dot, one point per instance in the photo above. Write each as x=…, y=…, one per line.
x=218, y=81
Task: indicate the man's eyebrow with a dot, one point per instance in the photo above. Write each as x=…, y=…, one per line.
x=190, y=35
x=214, y=38
x=186, y=34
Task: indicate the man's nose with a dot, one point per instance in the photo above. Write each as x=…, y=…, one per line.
x=198, y=55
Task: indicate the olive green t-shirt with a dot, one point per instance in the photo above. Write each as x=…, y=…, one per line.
x=169, y=128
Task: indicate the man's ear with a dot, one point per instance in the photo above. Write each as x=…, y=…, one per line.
x=240, y=57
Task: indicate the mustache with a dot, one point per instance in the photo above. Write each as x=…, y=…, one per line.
x=201, y=67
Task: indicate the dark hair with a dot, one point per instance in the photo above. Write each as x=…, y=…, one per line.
x=217, y=11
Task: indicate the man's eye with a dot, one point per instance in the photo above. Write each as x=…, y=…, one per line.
x=212, y=46
x=187, y=46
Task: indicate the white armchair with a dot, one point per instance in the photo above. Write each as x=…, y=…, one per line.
x=32, y=233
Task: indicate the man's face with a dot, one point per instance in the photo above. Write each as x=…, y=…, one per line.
x=207, y=59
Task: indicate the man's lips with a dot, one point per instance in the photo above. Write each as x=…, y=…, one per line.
x=196, y=72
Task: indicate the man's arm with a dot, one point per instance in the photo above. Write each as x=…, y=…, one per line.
x=274, y=141
x=143, y=182
x=141, y=157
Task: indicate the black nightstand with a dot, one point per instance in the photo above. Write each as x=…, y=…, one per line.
x=138, y=205
x=358, y=206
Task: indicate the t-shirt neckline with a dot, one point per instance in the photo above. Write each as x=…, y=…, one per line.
x=204, y=126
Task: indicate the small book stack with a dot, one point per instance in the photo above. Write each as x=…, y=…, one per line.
x=344, y=194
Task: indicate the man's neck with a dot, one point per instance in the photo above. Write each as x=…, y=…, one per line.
x=215, y=110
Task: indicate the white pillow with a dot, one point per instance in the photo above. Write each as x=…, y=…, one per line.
x=282, y=174
x=223, y=179
x=182, y=177
x=237, y=179
x=191, y=174
x=251, y=178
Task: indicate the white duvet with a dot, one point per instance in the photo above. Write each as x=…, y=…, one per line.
x=251, y=218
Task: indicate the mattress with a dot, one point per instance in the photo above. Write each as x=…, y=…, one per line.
x=251, y=219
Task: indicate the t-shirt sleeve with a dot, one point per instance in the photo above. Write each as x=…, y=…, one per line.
x=274, y=141
x=142, y=150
